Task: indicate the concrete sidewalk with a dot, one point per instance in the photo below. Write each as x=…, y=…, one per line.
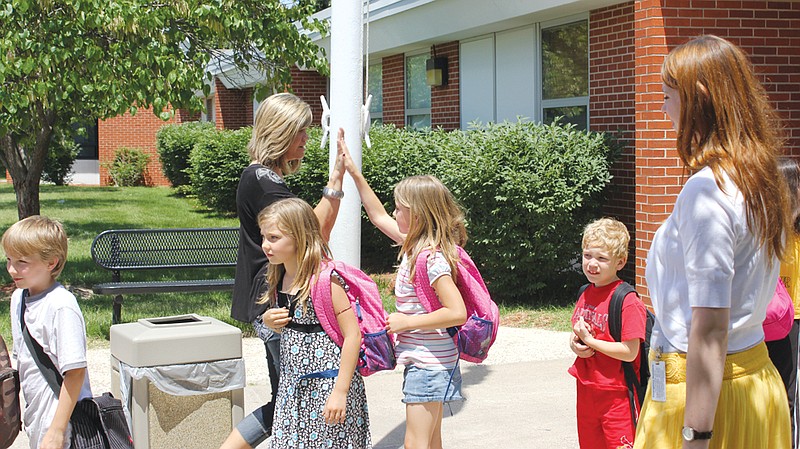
x=521, y=397
x=525, y=405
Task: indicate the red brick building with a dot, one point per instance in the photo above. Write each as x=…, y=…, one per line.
x=595, y=62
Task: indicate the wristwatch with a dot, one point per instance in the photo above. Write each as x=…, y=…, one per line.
x=689, y=434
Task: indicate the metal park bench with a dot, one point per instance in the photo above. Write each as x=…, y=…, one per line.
x=163, y=249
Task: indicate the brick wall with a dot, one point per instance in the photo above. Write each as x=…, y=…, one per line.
x=768, y=31
x=309, y=85
x=234, y=107
x=132, y=131
x=612, y=107
x=445, y=103
x=394, y=100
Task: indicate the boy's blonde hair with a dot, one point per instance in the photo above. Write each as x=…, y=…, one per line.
x=609, y=234
x=436, y=220
x=38, y=236
x=278, y=120
x=295, y=218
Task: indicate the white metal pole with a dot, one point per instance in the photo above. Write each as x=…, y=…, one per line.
x=346, y=98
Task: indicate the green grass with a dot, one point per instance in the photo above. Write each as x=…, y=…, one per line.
x=88, y=211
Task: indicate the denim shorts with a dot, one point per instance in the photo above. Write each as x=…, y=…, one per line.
x=429, y=385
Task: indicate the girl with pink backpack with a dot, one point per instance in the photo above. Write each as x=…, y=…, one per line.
x=321, y=398
x=426, y=218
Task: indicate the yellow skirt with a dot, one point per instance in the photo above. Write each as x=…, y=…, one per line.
x=752, y=412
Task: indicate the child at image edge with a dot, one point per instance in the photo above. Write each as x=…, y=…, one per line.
x=603, y=408
x=36, y=251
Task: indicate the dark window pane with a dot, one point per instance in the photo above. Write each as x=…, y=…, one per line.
x=87, y=141
x=565, y=61
x=568, y=114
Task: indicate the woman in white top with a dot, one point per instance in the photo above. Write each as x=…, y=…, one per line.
x=713, y=265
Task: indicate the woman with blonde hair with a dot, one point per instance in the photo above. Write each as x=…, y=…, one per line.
x=713, y=264
x=276, y=149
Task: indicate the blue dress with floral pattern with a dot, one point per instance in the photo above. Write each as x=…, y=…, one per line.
x=299, y=422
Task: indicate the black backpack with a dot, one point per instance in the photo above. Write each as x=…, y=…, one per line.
x=10, y=416
x=636, y=386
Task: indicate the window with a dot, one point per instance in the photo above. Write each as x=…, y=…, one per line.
x=418, y=93
x=565, y=73
x=209, y=115
x=375, y=88
x=87, y=140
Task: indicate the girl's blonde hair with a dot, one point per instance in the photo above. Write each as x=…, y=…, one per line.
x=728, y=124
x=38, y=236
x=278, y=120
x=436, y=220
x=296, y=219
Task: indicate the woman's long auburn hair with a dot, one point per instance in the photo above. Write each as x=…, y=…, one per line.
x=728, y=124
x=436, y=220
x=296, y=219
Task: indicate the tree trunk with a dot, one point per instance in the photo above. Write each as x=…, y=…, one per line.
x=25, y=163
x=27, y=190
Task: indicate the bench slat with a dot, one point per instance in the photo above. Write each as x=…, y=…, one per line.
x=141, y=288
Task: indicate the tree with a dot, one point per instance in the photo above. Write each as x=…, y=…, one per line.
x=65, y=60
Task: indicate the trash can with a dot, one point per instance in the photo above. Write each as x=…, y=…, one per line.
x=181, y=379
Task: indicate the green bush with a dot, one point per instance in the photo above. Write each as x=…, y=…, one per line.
x=128, y=167
x=216, y=162
x=529, y=189
x=60, y=156
x=174, y=144
x=308, y=182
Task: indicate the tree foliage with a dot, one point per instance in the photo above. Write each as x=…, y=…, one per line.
x=62, y=61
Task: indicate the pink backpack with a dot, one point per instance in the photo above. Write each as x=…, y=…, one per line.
x=780, y=314
x=377, y=346
x=476, y=336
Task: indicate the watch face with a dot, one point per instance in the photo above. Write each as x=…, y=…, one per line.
x=688, y=433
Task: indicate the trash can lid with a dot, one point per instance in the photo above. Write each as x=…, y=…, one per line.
x=175, y=340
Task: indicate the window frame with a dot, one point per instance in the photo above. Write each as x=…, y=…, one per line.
x=408, y=112
x=539, y=76
x=204, y=115
x=376, y=115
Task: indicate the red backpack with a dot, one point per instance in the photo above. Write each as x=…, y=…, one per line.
x=474, y=338
x=377, y=345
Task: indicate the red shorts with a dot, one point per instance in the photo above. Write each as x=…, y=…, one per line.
x=604, y=419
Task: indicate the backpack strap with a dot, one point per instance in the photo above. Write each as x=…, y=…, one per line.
x=615, y=309
x=582, y=289
x=322, y=299
x=422, y=285
x=615, y=329
x=46, y=366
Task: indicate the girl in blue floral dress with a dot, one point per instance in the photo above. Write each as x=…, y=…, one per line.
x=321, y=400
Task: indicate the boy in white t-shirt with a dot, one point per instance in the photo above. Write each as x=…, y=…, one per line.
x=36, y=251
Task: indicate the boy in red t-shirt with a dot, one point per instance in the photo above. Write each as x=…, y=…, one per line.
x=603, y=408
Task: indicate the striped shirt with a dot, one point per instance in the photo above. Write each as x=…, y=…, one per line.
x=433, y=349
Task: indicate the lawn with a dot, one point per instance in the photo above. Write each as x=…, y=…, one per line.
x=88, y=211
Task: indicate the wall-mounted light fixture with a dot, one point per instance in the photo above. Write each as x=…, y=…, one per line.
x=436, y=71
